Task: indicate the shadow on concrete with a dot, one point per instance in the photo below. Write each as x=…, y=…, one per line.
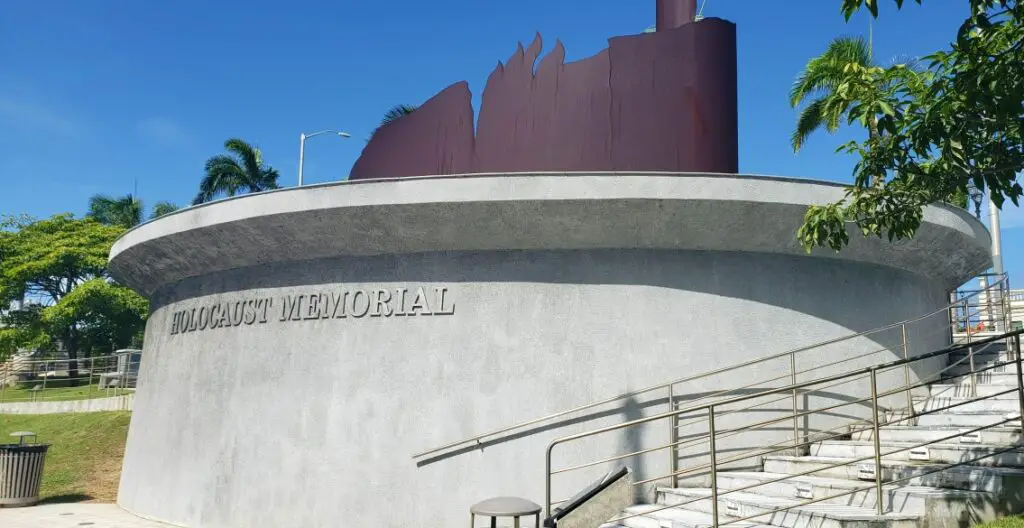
x=66, y=498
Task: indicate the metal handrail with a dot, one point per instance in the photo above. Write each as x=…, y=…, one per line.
x=87, y=368
x=872, y=371
x=1001, y=284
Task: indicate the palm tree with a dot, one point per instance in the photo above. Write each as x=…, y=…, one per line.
x=820, y=80
x=241, y=171
x=396, y=113
x=162, y=208
x=125, y=212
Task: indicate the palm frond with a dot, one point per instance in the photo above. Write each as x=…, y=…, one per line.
x=824, y=73
x=240, y=170
x=397, y=112
x=125, y=211
x=249, y=157
x=162, y=208
x=809, y=120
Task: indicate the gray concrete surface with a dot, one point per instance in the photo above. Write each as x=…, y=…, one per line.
x=527, y=212
x=113, y=403
x=74, y=515
x=560, y=291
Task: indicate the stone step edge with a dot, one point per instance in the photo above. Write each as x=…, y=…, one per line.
x=752, y=499
x=911, y=445
x=896, y=463
x=849, y=484
x=661, y=512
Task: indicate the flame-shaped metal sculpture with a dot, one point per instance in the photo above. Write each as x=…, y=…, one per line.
x=662, y=101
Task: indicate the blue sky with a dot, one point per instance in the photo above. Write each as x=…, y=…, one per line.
x=96, y=96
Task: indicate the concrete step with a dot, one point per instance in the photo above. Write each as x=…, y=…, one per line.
x=964, y=369
x=948, y=453
x=965, y=405
x=968, y=419
x=970, y=478
x=989, y=354
x=655, y=517
x=1009, y=379
x=963, y=390
x=918, y=500
x=741, y=504
x=920, y=435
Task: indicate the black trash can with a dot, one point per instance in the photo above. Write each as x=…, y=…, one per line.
x=21, y=471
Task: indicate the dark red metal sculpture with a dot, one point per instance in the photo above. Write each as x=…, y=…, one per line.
x=663, y=101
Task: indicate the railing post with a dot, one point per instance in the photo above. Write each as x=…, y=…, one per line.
x=46, y=369
x=1020, y=378
x=974, y=377
x=878, y=447
x=547, y=481
x=714, y=467
x=967, y=320
x=906, y=370
x=970, y=349
x=796, y=405
x=673, y=438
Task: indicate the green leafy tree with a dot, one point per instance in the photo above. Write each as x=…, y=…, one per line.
x=242, y=170
x=59, y=266
x=126, y=211
x=954, y=125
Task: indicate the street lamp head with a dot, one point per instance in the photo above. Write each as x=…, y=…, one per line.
x=344, y=134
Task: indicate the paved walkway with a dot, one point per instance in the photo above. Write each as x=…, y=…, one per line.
x=73, y=516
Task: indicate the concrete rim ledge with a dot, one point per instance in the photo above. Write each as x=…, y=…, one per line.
x=529, y=211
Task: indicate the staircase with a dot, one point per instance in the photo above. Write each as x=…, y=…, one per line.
x=955, y=463
x=869, y=447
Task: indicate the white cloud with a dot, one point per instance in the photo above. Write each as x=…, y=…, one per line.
x=32, y=116
x=165, y=132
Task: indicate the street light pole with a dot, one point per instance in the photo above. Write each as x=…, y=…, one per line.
x=302, y=145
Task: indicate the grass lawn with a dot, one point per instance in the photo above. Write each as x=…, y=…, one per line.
x=84, y=460
x=84, y=392
x=1006, y=522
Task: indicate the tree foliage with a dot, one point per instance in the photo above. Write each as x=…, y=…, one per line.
x=954, y=123
x=397, y=112
x=58, y=266
x=126, y=212
x=241, y=170
x=162, y=208
x=817, y=86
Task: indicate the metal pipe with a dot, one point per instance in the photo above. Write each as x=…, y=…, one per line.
x=796, y=403
x=906, y=370
x=827, y=379
x=302, y=155
x=714, y=469
x=673, y=438
x=995, y=230
x=974, y=378
x=878, y=447
x=547, y=480
x=478, y=437
x=1020, y=379
x=671, y=14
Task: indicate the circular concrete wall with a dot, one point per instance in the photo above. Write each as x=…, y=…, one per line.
x=305, y=343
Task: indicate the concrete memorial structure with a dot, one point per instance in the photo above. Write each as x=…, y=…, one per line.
x=305, y=343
